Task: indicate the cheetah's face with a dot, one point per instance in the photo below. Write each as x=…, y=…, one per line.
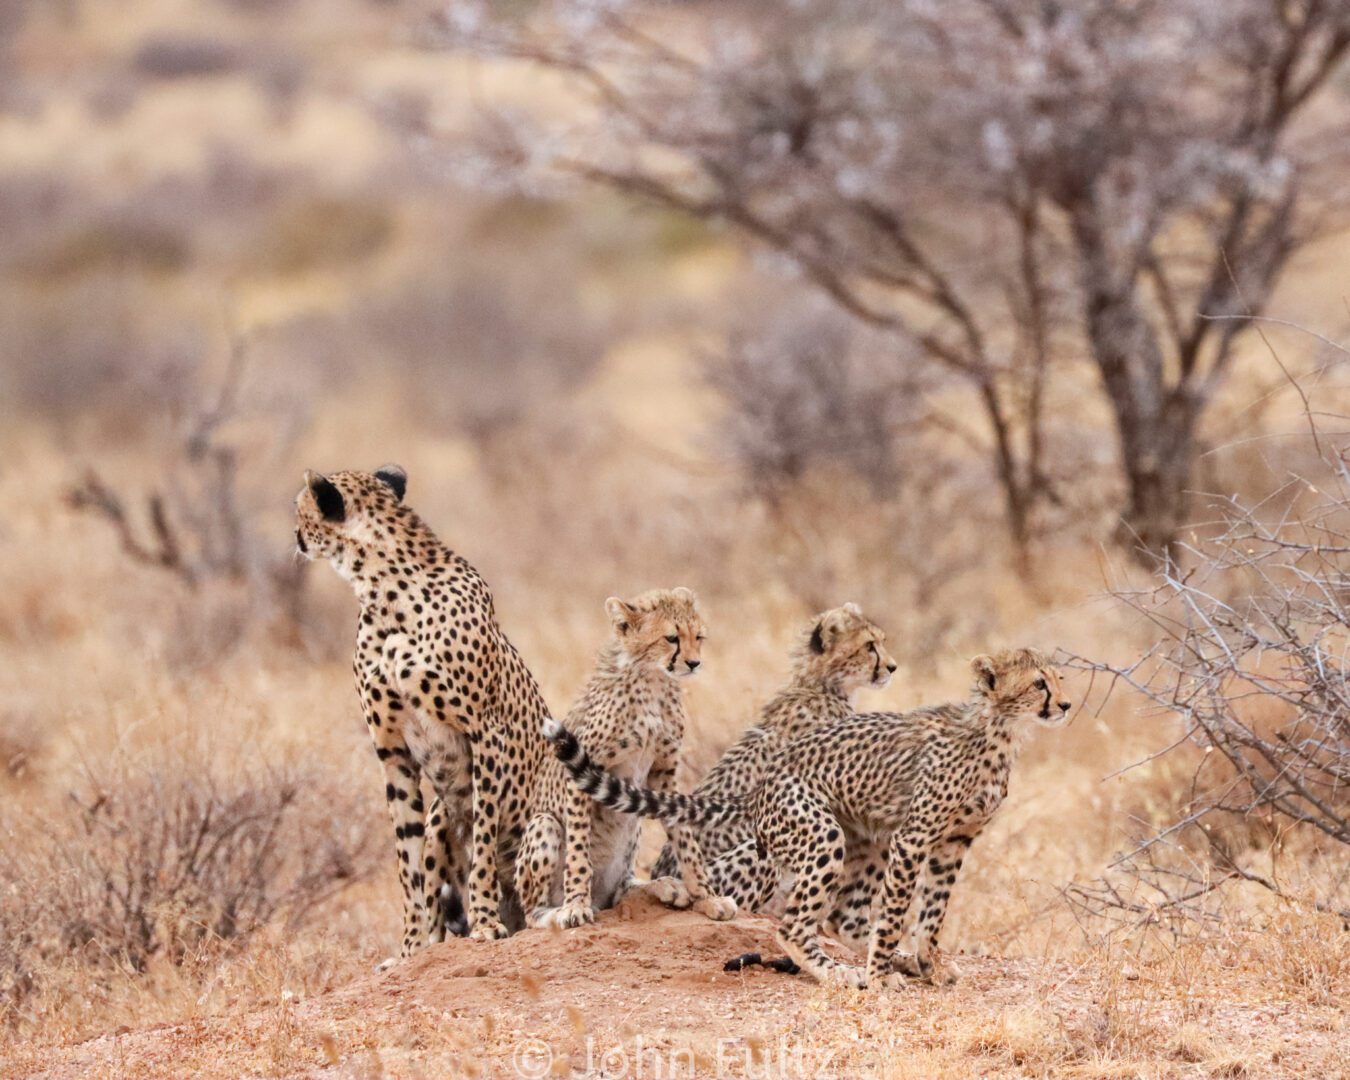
x=1024, y=683
x=661, y=629
x=847, y=648
x=332, y=512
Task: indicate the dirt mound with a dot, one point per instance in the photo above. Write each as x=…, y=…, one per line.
x=642, y=994
x=525, y=1006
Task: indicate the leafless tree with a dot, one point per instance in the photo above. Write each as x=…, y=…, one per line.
x=813, y=389
x=1253, y=660
x=1002, y=186
x=193, y=524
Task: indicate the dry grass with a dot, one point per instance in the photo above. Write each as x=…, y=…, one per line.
x=134, y=708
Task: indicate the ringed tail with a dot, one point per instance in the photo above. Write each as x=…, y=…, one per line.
x=614, y=793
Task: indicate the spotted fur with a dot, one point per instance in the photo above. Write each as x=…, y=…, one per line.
x=867, y=810
x=631, y=720
x=445, y=696
x=840, y=652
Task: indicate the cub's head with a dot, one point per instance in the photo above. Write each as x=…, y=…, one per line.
x=1023, y=682
x=846, y=649
x=661, y=628
x=345, y=508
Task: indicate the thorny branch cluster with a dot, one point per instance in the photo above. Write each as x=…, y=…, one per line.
x=1253, y=661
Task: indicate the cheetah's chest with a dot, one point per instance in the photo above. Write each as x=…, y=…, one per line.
x=985, y=791
x=441, y=751
x=614, y=835
x=637, y=741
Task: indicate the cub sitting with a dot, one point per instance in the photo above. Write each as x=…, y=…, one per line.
x=631, y=718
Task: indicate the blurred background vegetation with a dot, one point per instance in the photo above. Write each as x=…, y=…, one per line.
x=901, y=307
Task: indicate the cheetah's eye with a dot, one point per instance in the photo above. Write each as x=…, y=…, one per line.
x=702, y=637
x=1040, y=684
x=672, y=638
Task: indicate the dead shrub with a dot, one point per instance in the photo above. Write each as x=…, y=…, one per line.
x=1251, y=663
x=151, y=863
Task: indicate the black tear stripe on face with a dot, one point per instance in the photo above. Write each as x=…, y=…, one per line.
x=671, y=666
x=1045, y=709
x=817, y=640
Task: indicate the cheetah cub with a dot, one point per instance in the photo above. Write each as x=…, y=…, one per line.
x=889, y=800
x=839, y=653
x=630, y=718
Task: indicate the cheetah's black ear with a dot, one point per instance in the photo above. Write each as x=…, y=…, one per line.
x=326, y=496
x=983, y=666
x=818, y=638
x=396, y=477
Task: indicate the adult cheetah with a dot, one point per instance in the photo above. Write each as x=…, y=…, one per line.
x=889, y=800
x=631, y=719
x=443, y=691
x=840, y=652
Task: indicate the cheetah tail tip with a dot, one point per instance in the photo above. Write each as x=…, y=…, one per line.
x=551, y=728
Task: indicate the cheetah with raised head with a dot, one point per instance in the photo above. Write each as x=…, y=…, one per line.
x=630, y=717
x=839, y=653
x=444, y=693
x=892, y=800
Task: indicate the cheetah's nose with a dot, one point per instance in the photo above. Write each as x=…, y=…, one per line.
x=1065, y=706
x=891, y=668
x=693, y=664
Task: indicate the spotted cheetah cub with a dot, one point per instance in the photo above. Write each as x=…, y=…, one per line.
x=630, y=718
x=839, y=653
x=894, y=799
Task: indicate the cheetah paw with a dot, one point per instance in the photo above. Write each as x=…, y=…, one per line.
x=893, y=980
x=488, y=929
x=717, y=908
x=945, y=974
x=670, y=891
x=387, y=963
x=849, y=975
x=938, y=971
x=567, y=917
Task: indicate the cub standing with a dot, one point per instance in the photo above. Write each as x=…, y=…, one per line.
x=576, y=856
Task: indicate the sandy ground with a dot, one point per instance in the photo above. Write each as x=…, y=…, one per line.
x=642, y=994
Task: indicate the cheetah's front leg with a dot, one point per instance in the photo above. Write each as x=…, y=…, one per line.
x=907, y=852
x=578, y=872
x=688, y=855
x=404, y=796
x=541, y=846
x=935, y=890
x=489, y=797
